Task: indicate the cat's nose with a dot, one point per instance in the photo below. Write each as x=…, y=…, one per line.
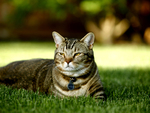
x=68, y=60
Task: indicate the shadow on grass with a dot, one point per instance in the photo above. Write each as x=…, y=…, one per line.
x=128, y=83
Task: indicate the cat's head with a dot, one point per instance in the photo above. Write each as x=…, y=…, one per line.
x=72, y=55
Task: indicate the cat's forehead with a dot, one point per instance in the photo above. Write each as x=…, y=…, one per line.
x=73, y=44
x=70, y=43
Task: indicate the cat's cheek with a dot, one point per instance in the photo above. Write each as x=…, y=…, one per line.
x=76, y=65
x=59, y=66
x=80, y=60
x=64, y=65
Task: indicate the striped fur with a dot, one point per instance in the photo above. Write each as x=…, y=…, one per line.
x=73, y=58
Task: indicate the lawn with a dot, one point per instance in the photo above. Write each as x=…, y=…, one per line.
x=124, y=71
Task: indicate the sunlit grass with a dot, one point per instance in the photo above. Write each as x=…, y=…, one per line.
x=105, y=56
x=25, y=50
x=122, y=56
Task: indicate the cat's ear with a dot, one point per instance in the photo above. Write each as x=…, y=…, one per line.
x=88, y=40
x=58, y=39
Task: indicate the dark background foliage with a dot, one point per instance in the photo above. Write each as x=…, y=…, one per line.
x=112, y=21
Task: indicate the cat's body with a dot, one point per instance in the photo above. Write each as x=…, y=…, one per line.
x=73, y=65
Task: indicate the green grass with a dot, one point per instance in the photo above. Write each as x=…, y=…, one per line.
x=124, y=70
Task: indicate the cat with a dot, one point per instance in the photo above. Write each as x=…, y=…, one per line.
x=72, y=73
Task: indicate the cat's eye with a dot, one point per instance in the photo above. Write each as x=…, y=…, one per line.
x=77, y=54
x=62, y=54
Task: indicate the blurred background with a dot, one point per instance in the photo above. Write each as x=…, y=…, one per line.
x=112, y=21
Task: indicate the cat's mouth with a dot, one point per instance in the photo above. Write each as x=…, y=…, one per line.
x=70, y=69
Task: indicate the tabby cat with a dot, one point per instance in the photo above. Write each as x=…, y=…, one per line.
x=72, y=73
